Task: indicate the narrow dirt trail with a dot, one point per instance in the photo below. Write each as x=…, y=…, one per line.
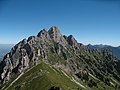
x=13, y=82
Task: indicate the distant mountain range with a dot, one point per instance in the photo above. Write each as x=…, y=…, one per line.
x=115, y=50
x=4, y=49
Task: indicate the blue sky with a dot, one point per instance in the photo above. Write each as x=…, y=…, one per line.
x=90, y=21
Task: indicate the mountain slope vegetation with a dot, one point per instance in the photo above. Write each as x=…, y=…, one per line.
x=52, y=61
x=115, y=50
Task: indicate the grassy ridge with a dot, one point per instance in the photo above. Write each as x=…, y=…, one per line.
x=43, y=77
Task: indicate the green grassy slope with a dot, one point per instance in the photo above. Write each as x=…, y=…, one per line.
x=43, y=77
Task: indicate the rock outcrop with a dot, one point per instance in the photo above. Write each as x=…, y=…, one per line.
x=60, y=51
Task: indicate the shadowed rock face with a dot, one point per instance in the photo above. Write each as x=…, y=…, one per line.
x=72, y=42
x=60, y=51
x=44, y=34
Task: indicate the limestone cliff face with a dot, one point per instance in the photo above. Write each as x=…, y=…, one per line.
x=25, y=54
x=55, y=34
x=64, y=52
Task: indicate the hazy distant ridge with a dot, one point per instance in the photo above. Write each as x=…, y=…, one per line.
x=5, y=48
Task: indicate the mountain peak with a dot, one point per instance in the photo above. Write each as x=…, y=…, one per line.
x=61, y=56
x=54, y=33
x=42, y=32
x=72, y=41
x=55, y=28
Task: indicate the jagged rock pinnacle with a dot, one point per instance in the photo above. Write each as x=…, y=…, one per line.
x=54, y=33
x=64, y=53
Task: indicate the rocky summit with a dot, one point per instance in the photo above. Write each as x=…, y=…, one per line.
x=52, y=61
